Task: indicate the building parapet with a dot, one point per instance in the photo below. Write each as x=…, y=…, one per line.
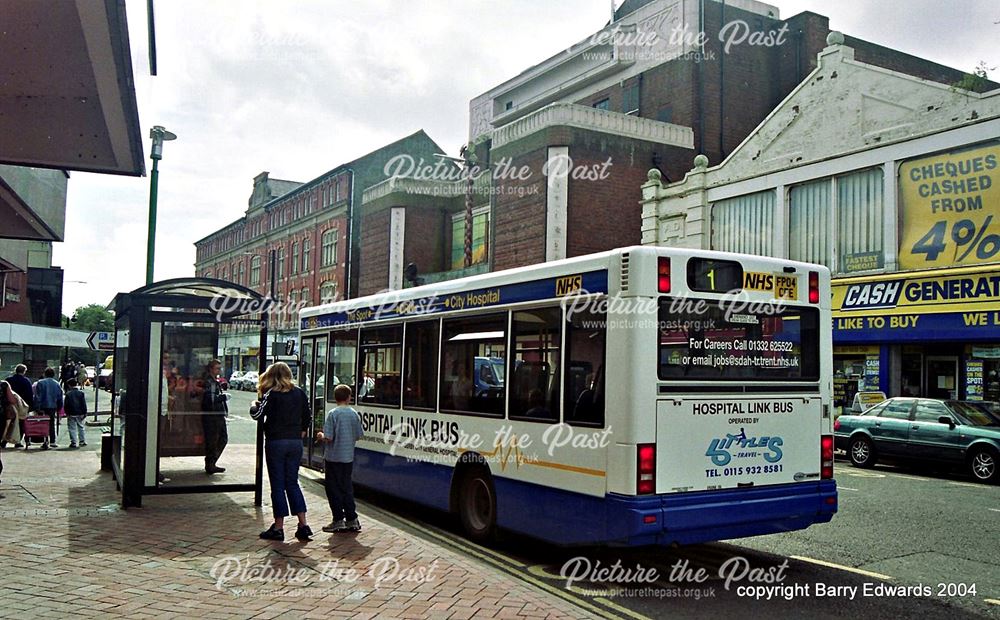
x=594, y=119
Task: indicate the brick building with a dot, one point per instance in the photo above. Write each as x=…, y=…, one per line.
x=893, y=182
x=646, y=91
x=308, y=227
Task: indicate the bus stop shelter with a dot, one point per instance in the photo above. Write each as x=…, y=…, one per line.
x=166, y=335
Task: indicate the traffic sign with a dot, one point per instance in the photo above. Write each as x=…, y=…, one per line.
x=101, y=341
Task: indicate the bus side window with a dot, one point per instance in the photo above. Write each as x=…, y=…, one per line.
x=585, y=341
x=421, y=348
x=343, y=354
x=534, y=393
x=381, y=365
x=467, y=343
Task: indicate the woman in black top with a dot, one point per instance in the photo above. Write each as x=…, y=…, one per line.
x=284, y=408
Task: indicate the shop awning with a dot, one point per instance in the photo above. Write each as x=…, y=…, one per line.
x=68, y=95
x=40, y=335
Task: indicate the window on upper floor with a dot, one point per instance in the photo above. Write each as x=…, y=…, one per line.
x=603, y=104
x=329, y=256
x=255, y=271
x=743, y=224
x=480, y=237
x=630, y=99
x=838, y=222
x=281, y=263
x=306, y=251
x=327, y=293
x=295, y=258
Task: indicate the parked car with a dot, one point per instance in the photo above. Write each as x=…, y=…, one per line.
x=234, y=380
x=925, y=430
x=249, y=381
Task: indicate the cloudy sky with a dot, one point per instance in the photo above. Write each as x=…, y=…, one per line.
x=297, y=87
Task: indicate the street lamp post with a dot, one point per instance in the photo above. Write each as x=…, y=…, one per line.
x=159, y=135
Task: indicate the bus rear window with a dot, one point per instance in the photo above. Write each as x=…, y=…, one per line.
x=699, y=339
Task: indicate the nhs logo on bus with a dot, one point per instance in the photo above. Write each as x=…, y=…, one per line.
x=723, y=450
x=872, y=295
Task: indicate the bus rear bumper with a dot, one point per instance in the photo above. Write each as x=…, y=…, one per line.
x=690, y=518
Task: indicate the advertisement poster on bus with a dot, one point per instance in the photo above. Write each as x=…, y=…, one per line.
x=731, y=442
x=950, y=206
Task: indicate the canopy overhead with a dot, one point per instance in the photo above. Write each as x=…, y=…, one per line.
x=219, y=296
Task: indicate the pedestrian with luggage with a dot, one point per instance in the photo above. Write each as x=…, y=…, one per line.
x=341, y=430
x=22, y=386
x=76, y=414
x=11, y=405
x=49, y=400
x=284, y=409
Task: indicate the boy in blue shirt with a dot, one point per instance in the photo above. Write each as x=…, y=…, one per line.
x=341, y=430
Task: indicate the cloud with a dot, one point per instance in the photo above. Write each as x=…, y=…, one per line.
x=297, y=88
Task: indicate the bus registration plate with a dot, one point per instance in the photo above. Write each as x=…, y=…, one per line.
x=782, y=286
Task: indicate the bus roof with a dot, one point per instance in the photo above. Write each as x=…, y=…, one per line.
x=600, y=261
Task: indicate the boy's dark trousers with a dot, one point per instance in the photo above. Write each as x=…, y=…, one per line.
x=340, y=490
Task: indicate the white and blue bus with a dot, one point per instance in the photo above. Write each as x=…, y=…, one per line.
x=639, y=396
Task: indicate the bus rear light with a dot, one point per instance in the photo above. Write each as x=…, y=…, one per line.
x=836, y=424
x=663, y=274
x=649, y=519
x=826, y=457
x=646, y=474
x=814, y=287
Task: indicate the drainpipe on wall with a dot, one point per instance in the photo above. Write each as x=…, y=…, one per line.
x=701, y=81
x=350, y=239
x=722, y=94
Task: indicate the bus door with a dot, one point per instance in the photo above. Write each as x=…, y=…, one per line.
x=317, y=401
x=312, y=364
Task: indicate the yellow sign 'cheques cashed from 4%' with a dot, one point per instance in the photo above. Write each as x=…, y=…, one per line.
x=951, y=209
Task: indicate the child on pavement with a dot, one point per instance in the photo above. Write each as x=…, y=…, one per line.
x=340, y=432
x=75, y=404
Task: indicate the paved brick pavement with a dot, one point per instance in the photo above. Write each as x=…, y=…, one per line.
x=67, y=549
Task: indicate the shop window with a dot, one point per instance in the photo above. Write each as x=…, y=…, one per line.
x=381, y=362
x=534, y=366
x=466, y=343
x=420, y=354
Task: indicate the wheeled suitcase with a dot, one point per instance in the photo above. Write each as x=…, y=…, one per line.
x=37, y=427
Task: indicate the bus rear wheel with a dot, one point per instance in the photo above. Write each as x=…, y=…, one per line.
x=477, y=505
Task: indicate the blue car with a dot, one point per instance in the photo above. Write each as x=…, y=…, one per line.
x=924, y=430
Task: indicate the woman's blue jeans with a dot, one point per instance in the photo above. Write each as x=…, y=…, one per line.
x=283, y=457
